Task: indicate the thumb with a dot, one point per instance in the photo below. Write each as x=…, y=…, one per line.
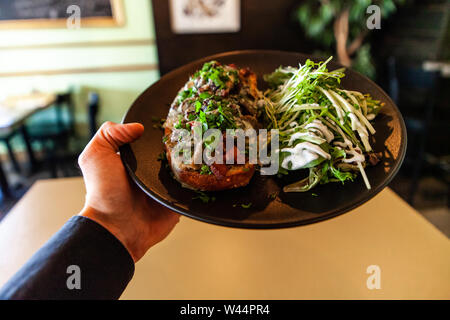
x=109, y=138
x=112, y=135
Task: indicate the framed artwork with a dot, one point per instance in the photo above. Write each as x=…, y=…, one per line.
x=30, y=14
x=205, y=16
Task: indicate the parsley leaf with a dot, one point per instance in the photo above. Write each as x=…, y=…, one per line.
x=246, y=206
x=205, y=169
x=203, y=197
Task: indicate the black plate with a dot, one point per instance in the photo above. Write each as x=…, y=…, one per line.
x=288, y=209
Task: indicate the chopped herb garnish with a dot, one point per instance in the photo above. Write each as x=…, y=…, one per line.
x=202, y=117
x=205, y=198
x=162, y=156
x=198, y=106
x=217, y=74
x=183, y=95
x=205, y=169
x=205, y=95
x=273, y=196
x=158, y=122
x=246, y=206
x=179, y=125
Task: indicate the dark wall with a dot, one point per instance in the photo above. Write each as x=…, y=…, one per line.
x=265, y=24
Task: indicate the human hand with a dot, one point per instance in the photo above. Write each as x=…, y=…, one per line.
x=113, y=201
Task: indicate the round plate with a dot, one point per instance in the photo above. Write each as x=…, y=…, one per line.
x=288, y=209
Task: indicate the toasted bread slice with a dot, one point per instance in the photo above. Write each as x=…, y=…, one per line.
x=221, y=177
x=231, y=98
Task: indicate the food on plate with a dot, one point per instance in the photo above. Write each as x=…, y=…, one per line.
x=322, y=127
x=215, y=97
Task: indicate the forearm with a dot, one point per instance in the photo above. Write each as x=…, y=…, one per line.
x=104, y=263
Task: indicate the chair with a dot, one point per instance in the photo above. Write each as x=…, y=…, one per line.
x=93, y=108
x=52, y=129
x=6, y=139
x=414, y=90
x=4, y=186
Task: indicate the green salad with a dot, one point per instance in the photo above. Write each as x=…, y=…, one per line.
x=322, y=127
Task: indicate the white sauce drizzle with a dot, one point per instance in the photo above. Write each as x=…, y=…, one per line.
x=302, y=154
x=342, y=145
x=317, y=124
x=356, y=156
x=299, y=135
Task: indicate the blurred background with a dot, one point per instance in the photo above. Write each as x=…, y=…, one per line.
x=67, y=66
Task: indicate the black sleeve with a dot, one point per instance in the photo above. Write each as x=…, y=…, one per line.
x=81, y=250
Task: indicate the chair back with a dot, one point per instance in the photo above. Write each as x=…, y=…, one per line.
x=411, y=87
x=93, y=108
x=65, y=113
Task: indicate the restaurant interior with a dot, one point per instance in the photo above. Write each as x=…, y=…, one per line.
x=61, y=77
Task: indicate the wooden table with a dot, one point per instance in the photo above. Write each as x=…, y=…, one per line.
x=14, y=111
x=327, y=260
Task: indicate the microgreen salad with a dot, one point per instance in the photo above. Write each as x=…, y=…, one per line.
x=322, y=127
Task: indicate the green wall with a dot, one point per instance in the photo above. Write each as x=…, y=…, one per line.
x=39, y=50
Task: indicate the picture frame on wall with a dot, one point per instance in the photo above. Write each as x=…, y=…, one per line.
x=205, y=16
x=32, y=14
